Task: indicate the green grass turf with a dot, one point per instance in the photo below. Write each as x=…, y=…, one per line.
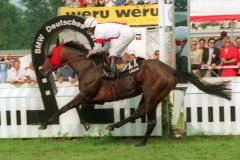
x=110, y=148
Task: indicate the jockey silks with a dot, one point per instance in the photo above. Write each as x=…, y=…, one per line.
x=116, y=36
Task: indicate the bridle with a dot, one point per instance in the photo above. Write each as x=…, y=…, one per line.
x=54, y=68
x=53, y=63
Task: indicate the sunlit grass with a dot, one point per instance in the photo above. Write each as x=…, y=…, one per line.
x=111, y=148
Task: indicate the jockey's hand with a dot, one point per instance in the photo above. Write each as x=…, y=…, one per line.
x=104, y=49
x=89, y=55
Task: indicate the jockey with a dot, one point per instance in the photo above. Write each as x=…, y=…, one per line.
x=109, y=37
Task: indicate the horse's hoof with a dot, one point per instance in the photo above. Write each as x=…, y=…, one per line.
x=140, y=144
x=86, y=126
x=42, y=127
x=110, y=128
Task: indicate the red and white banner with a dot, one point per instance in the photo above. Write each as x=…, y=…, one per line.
x=210, y=10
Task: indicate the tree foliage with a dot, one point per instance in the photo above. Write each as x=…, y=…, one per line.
x=19, y=25
x=9, y=24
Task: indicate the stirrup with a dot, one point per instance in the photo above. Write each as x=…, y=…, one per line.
x=110, y=74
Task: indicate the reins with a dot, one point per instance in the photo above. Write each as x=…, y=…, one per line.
x=68, y=62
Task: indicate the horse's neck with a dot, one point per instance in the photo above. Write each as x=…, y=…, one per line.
x=78, y=62
x=81, y=65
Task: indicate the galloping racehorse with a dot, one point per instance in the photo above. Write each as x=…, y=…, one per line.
x=154, y=81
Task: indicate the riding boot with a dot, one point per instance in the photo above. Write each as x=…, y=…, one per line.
x=113, y=68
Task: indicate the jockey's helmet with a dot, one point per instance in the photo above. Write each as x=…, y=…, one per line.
x=90, y=22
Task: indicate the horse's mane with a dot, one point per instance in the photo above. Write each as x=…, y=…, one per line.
x=76, y=45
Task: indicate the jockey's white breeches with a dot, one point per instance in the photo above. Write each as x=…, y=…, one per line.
x=118, y=45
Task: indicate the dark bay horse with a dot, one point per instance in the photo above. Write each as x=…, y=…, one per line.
x=154, y=81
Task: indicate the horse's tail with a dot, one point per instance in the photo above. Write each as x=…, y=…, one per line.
x=220, y=89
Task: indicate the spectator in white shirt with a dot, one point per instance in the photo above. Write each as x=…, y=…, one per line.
x=16, y=74
x=30, y=74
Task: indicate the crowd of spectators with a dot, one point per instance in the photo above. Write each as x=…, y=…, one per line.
x=215, y=57
x=208, y=59
x=106, y=3
x=12, y=72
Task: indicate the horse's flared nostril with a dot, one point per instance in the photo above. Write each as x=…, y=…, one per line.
x=42, y=72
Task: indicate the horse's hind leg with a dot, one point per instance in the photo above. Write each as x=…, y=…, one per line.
x=151, y=103
x=138, y=113
x=75, y=102
x=151, y=123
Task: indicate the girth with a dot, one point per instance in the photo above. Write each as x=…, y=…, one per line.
x=113, y=90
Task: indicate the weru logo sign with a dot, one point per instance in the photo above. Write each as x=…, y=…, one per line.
x=135, y=15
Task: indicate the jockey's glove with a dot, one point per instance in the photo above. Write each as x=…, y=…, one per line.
x=104, y=49
x=89, y=55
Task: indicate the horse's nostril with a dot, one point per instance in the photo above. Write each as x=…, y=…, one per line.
x=41, y=71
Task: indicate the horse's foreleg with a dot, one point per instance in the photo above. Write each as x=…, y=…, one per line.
x=137, y=114
x=75, y=102
x=82, y=114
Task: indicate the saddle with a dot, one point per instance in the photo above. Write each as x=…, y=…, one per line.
x=101, y=60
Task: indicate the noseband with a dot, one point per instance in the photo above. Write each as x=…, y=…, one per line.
x=49, y=67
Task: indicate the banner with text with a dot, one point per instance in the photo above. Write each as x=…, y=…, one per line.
x=136, y=15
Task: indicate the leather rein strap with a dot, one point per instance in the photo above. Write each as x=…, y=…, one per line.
x=55, y=68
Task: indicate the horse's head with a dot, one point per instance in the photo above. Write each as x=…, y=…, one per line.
x=46, y=68
x=62, y=54
x=52, y=62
